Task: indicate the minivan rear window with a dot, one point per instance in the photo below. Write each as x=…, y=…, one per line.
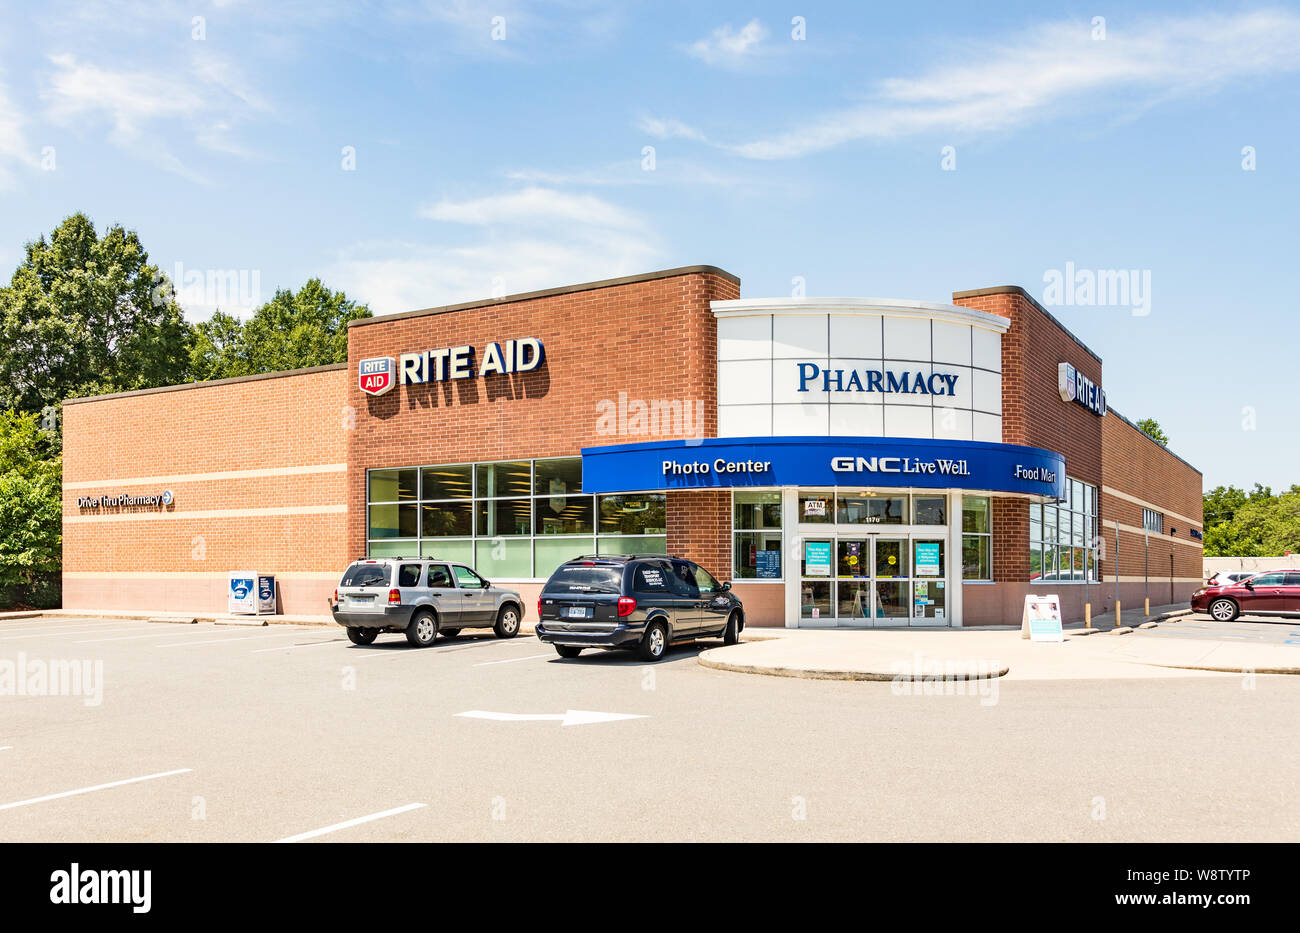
x=365, y=575
x=579, y=579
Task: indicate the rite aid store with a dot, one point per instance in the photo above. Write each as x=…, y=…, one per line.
x=849, y=462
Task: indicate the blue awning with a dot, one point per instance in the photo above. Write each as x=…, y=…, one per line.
x=724, y=462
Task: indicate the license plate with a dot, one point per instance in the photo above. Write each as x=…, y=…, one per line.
x=362, y=599
x=576, y=612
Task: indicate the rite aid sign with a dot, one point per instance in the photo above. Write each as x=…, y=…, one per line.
x=379, y=374
x=1074, y=386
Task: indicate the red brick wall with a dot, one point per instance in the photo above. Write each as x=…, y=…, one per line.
x=652, y=339
x=699, y=529
x=1136, y=467
x=143, y=443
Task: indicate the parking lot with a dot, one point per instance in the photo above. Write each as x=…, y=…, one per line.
x=1263, y=629
x=206, y=732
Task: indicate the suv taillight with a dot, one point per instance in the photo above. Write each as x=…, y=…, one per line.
x=336, y=595
x=626, y=606
x=539, y=607
x=394, y=597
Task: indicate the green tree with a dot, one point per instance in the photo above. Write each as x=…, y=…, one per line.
x=1151, y=428
x=86, y=314
x=1254, y=524
x=293, y=330
x=31, y=512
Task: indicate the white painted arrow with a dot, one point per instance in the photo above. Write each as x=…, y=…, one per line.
x=573, y=717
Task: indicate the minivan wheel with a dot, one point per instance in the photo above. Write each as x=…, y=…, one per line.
x=654, y=643
x=1224, y=610
x=568, y=651
x=731, y=634
x=362, y=636
x=507, y=622
x=422, y=630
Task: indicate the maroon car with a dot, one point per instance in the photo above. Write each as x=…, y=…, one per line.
x=1273, y=592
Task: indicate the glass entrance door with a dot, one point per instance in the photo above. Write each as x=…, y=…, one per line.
x=890, y=581
x=871, y=581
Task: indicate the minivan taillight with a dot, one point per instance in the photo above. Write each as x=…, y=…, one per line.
x=626, y=606
x=394, y=597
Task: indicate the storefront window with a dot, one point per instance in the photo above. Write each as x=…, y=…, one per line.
x=871, y=508
x=756, y=540
x=930, y=510
x=633, y=514
x=394, y=485
x=929, y=574
x=817, y=508
x=976, y=538
x=1062, y=536
x=491, y=515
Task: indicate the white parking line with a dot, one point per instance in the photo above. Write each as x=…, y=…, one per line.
x=94, y=641
x=357, y=822
x=87, y=790
x=5, y=748
x=80, y=631
x=531, y=657
x=216, y=641
x=309, y=644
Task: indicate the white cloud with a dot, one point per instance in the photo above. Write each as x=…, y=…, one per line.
x=531, y=239
x=14, y=146
x=1042, y=74
x=142, y=109
x=727, y=48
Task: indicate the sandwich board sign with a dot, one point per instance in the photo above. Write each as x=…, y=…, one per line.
x=1041, y=620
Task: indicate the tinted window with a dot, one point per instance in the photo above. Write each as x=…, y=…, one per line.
x=1293, y=579
x=651, y=577
x=1267, y=579
x=439, y=575
x=467, y=578
x=366, y=575
x=704, y=581
x=575, y=578
x=684, y=580
x=408, y=575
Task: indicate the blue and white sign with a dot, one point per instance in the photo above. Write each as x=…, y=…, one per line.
x=815, y=378
x=1074, y=386
x=767, y=565
x=927, y=558
x=241, y=594
x=816, y=558
x=823, y=461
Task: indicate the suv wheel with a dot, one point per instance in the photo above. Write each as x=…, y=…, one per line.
x=568, y=651
x=507, y=621
x=362, y=636
x=422, y=630
x=731, y=634
x=654, y=643
x=1224, y=610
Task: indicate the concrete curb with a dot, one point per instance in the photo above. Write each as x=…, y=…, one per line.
x=811, y=673
x=1122, y=630
x=172, y=620
x=1226, y=670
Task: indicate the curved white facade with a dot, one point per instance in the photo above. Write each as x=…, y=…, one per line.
x=851, y=367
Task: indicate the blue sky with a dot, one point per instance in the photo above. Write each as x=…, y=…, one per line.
x=501, y=165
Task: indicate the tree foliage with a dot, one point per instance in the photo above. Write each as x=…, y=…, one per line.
x=1151, y=428
x=85, y=314
x=308, y=327
x=1251, y=524
x=31, y=512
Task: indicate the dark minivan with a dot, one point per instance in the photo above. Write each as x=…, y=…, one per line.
x=639, y=601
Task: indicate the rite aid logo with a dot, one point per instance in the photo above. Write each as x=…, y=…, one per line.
x=377, y=375
x=1074, y=386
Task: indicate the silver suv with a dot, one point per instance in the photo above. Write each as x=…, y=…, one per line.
x=422, y=597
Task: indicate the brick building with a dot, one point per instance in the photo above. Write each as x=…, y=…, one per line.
x=846, y=462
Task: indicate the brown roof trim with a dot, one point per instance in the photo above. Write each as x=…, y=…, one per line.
x=550, y=292
x=1152, y=440
x=1017, y=290
x=204, y=385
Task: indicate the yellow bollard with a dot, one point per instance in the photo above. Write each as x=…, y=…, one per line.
x=1087, y=615
x=1146, y=607
x=1118, y=619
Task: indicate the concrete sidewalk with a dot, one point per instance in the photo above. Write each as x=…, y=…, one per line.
x=981, y=653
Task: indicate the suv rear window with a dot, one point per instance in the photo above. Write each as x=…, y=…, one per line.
x=576, y=578
x=365, y=575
